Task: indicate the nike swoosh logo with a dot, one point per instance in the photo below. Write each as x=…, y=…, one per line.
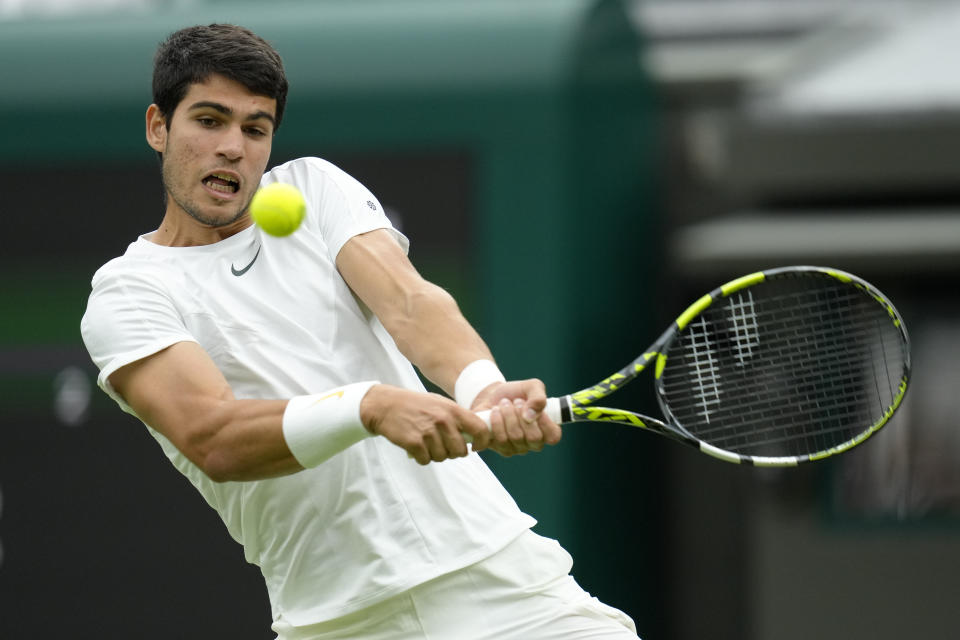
x=335, y=394
x=240, y=272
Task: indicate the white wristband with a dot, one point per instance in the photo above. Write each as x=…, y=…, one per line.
x=319, y=426
x=475, y=377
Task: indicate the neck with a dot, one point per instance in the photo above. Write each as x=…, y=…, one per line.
x=183, y=231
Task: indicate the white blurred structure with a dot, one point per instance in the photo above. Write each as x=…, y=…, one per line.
x=816, y=114
x=13, y=9
x=72, y=391
x=892, y=62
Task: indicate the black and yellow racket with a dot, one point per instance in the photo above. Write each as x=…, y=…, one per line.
x=775, y=368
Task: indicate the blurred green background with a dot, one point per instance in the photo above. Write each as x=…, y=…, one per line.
x=575, y=172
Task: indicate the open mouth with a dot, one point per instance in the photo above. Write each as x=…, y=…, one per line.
x=222, y=183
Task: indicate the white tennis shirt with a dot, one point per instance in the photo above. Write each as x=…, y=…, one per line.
x=279, y=321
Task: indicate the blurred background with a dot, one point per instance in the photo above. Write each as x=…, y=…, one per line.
x=575, y=172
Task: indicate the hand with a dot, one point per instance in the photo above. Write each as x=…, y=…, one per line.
x=517, y=422
x=427, y=426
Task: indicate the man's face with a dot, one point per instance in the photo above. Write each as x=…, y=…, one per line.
x=215, y=149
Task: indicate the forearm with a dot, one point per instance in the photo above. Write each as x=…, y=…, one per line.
x=242, y=440
x=423, y=319
x=313, y=428
x=433, y=334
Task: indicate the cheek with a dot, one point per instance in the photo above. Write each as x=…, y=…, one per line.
x=175, y=176
x=178, y=159
x=259, y=157
x=187, y=152
x=257, y=165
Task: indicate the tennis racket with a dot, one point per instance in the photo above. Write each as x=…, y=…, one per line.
x=776, y=368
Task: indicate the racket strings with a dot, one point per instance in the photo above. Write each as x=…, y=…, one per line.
x=705, y=369
x=780, y=369
x=819, y=409
x=708, y=372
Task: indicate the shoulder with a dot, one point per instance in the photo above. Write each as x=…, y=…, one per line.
x=131, y=311
x=132, y=283
x=115, y=268
x=320, y=180
x=130, y=268
x=308, y=171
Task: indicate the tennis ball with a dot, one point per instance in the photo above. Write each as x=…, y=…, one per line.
x=278, y=208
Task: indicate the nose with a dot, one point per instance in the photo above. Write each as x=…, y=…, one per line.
x=231, y=143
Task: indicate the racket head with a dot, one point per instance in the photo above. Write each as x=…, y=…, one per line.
x=784, y=366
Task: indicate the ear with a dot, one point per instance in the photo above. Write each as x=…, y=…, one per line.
x=156, y=129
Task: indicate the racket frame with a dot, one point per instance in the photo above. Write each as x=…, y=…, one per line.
x=579, y=407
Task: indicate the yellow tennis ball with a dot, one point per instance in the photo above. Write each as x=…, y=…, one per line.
x=278, y=208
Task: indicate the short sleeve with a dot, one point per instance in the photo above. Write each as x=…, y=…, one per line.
x=338, y=204
x=129, y=316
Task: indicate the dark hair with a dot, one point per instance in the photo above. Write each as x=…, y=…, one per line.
x=194, y=54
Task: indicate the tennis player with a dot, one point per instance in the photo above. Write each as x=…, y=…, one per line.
x=277, y=374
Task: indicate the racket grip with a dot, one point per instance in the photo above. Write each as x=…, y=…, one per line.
x=552, y=410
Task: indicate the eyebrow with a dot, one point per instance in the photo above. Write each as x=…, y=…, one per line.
x=227, y=111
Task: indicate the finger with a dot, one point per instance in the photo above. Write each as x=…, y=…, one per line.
x=498, y=433
x=536, y=395
x=552, y=432
x=531, y=428
x=419, y=453
x=435, y=447
x=477, y=429
x=453, y=442
x=513, y=427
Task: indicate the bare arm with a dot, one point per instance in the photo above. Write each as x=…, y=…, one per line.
x=429, y=329
x=423, y=319
x=180, y=392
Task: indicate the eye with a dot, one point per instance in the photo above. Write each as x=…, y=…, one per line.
x=207, y=122
x=256, y=132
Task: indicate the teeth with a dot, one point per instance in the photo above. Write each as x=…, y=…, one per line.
x=216, y=182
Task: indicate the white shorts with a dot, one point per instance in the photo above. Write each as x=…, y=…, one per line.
x=523, y=592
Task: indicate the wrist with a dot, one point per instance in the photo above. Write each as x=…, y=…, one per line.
x=475, y=377
x=318, y=426
x=374, y=406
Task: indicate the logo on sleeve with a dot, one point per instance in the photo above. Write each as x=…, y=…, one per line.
x=240, y=272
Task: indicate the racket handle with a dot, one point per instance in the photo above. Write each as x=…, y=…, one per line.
x=552, y=410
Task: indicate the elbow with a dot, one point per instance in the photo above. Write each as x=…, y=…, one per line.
x=219, y=466
x=215, y=455
x=226, y=466
x=215, y=472
x=216, y=463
